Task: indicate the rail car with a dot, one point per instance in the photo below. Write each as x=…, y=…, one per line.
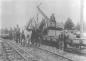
x=55, y=41
x=5, y=36
x=79, y=43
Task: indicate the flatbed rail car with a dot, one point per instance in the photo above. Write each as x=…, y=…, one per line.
x=5, y=36
x=77, y=42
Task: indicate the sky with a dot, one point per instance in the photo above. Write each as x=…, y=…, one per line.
x=15, y=12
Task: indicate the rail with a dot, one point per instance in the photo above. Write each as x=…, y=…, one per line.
x=55, y=54
x=20, y=51
x=26, y=55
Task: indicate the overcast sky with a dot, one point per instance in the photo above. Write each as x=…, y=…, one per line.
x=20, y=11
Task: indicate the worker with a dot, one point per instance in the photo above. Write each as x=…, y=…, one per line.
x=22, y=38
x=61, y=41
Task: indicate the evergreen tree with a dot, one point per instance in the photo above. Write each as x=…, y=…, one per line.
x=69, y=24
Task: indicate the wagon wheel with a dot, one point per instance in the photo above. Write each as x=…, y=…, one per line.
x=35, y=43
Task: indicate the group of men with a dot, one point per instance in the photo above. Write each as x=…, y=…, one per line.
x=17, y=35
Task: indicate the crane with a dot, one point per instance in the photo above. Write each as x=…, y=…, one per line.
x=43, y=14
x=37, y=32
x=31, y=24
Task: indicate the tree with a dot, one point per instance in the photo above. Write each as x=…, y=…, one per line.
x=78, y=27
x=69, y=24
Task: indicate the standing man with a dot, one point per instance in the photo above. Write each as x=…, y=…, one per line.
x=22, y=37
x=66, y=39
x=61, y=41
x=18, y=34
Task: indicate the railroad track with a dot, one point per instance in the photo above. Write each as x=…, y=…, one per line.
x=11, y=54
x=56, y=55
x=69, y=56
x=15, y=53
x=26, y=56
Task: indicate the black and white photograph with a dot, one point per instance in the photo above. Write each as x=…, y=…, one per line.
x=42, y=30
